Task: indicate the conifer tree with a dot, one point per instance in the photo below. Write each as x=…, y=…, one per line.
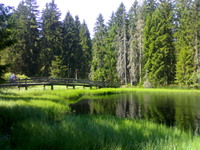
x=121, y=44
x=51, y=37
x=159, y=49
x=78, y=52
x=24, y=54
x=135, y=30
x=196, y=32
x=99, y=49
x=110, y=54
x=184, y=44
x=86, y=46
x=68, y=46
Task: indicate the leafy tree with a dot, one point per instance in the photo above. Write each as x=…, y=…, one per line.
x=5, y=35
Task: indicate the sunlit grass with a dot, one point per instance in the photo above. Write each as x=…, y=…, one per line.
x=100, y=132
x=40, y=119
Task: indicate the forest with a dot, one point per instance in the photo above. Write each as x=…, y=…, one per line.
x=157, y=41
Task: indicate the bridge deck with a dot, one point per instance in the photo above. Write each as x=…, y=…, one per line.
x=51, y=82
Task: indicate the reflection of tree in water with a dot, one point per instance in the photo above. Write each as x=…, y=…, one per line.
x=167, y=109
x=186, y=116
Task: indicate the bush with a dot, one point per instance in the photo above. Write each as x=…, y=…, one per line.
x=7, y=76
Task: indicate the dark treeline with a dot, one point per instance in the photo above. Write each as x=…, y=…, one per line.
x=45, y=45
x=156, y=41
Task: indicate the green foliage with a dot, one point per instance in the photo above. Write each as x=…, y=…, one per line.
x=184, y=46
x=155, y=40
x=5, y=27
x=159, y=50
x=99, y=50
x=24, y=54
x=57, y=68
x=19, y=76
x=5, y=36
x=51, y=37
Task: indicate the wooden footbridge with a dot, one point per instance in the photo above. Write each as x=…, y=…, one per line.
x=68, y=82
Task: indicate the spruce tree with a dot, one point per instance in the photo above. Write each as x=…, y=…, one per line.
x=24, y=54
x=110, y=54
x=159, y=50
x=196, y=31
x=78, y=52
x=68, y=45
x=135, y=30
x=184, y=42
x=86, y=46
x=51, y=37
x=121, y=44
x=99, y=49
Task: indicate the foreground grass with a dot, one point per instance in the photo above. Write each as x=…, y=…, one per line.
x=37, y=119
x=99, y=133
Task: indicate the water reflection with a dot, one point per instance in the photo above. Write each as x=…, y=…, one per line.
x=181, y=110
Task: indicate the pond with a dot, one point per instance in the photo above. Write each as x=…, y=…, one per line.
x=172, y=109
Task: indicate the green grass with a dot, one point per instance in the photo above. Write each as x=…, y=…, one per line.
x=100, y=133
x=37, y=119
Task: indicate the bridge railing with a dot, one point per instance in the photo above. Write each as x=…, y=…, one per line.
x=59, y=81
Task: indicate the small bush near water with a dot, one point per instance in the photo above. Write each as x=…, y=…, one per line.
x=31, y=120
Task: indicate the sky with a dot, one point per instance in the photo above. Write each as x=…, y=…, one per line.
x=87, y=10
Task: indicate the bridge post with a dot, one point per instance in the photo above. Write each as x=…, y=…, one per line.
x=44, y=87
x=73, y=84
x=26, y=86
x=51, y=86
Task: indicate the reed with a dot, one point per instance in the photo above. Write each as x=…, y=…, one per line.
x=99, y=133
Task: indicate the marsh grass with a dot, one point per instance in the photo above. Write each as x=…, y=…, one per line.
x=37, y=119
x=99, y=133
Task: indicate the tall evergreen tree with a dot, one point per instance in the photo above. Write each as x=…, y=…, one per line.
x=149, y=7
x=160, y=54
x=135, y=43
x=24, y=54
x=99, y=49
x=121, y=44
x=110, y=54
x=196, y=32
x=184, y=42
x=86, y=45
x=68, y=45
x=51, y=37
x=78, y=52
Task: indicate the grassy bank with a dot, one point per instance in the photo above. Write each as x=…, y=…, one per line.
x=37, y=119
x=99, y=133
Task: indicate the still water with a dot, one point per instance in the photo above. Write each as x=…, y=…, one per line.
x=173, y=109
